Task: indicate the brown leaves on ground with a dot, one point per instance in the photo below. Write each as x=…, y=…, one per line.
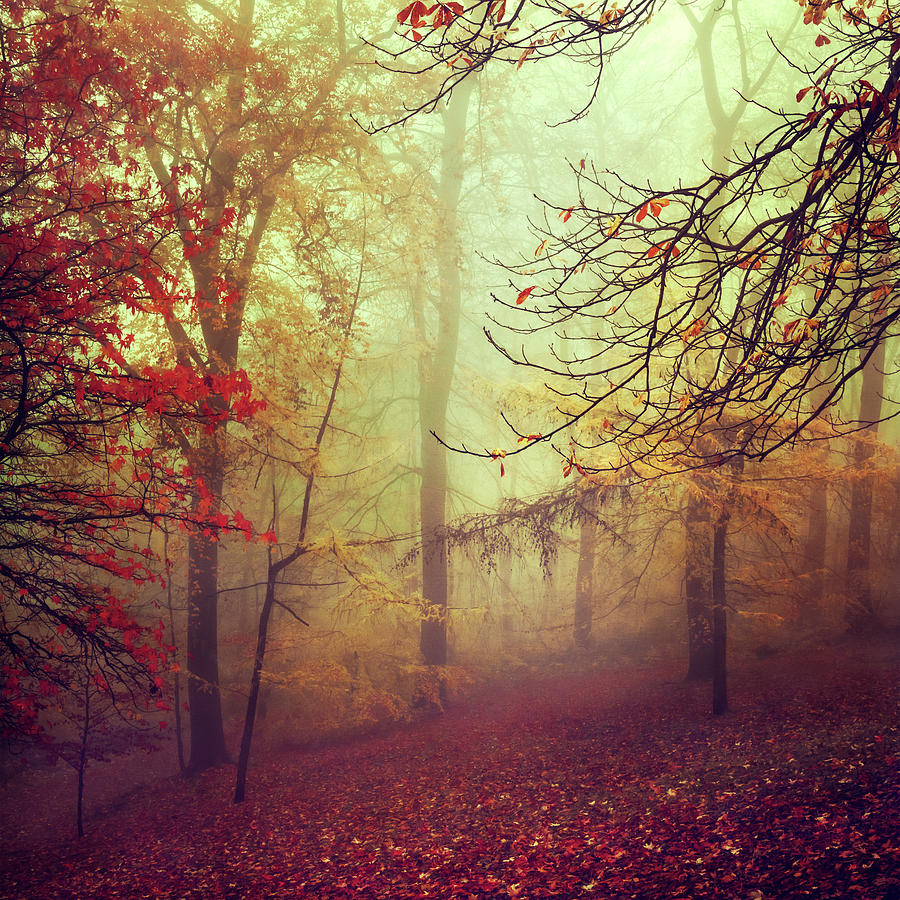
x=610, y=784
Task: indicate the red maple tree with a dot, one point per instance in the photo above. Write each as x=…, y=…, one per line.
x=88, y=437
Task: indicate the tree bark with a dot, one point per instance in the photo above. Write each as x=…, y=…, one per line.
x=82, y=750
x=719, y=618
x=262, y=637
x=860, y=613
x=698, y=584
x=816, y=544
x=436, y=376
x=207, y=733
x=176, y=680
x=584, y=583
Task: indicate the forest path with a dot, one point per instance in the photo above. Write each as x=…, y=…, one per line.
x=610, y=784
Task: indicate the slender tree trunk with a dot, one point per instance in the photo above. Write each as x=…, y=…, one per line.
x=584, y=582
x=436, y=378
x=816, y=544
x=719, y=619
x=179, y=737
x=860, y=613
x=82, y=752
x=432, y=500
x=262, y=636
x=510, y=611
x=698, y=584
x=817, y=503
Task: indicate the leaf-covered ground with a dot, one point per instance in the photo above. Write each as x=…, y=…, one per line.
x=606, y=784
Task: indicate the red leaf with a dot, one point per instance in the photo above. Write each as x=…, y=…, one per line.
x=528, y=51
x=523, y=295
x=413, y=12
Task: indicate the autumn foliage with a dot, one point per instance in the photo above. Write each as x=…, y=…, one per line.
x=89, y=434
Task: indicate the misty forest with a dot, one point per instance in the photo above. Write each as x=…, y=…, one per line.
x=450, y=450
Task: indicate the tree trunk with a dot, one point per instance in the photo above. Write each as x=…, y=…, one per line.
x=584, y=583
x=436, y=375
x=207, y=733
x=860, y=612
x=82, y=750
x=432, y=500
x=698, y=585
x=719, y=619
x=255, y=681
x=817, y=522
x=816, y=543
x=176, y=680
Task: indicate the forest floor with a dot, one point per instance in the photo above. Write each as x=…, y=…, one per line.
x=611, y=784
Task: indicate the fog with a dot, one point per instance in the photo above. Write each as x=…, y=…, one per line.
x=449, y=451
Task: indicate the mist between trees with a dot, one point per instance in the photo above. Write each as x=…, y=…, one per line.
x=354, y=357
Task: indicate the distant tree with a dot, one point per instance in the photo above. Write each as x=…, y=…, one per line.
x=860, y=613
x=435, y=378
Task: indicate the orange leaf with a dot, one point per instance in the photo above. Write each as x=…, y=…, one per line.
x=523, y=295
x=642, y=212
x=695, y=329
x=790, y=327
